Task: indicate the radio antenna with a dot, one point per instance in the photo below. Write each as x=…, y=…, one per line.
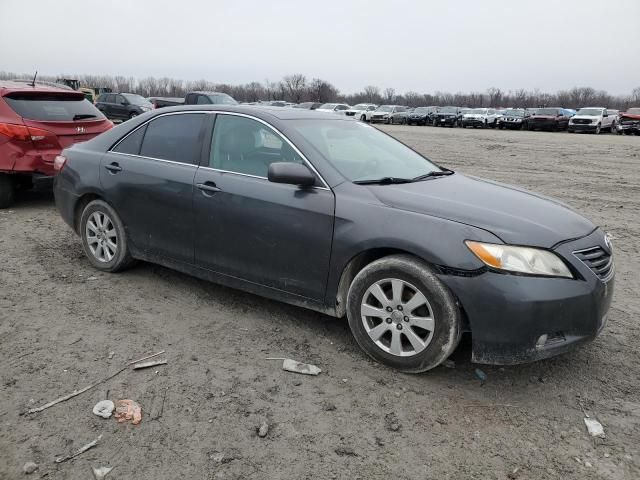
x=33, y=82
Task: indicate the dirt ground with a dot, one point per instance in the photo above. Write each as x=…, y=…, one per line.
x=60, y=319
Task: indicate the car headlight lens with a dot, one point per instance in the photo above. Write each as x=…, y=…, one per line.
x=531, y=261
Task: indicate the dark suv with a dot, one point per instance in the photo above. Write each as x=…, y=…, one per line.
x=209, y=98
x=122, y=106
x=36, y=122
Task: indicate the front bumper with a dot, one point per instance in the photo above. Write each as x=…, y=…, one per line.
x=582, y=127
x=472, y=122
x=379, y=119
x=446, y=120
x=508, y=314
x=543, y=124
x=628, y=128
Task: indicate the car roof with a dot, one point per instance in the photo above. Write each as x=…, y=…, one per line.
x=208, y=92
x=7, y=86
x=260, y=111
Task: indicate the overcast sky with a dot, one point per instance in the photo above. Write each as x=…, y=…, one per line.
x=417, y=45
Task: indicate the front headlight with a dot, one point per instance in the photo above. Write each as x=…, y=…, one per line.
x=531, y=261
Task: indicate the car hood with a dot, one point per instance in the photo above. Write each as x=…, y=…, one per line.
x=631, y=116
x=586, y=117
x=515, y=215
x=543, y=117
x=474, y=115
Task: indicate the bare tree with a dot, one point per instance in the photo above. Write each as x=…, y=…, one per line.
x=372, y=94
x=295, y=86
x=389, y=94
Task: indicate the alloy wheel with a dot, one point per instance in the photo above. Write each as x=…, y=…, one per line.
x=397, y=317
x=101, y=236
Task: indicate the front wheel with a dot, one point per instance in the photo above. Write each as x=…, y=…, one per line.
x=363, y=118
x=402, y=315
x=598, y=129
x=103, y=237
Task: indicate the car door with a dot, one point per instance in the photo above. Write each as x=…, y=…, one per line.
x=271, y=234
x=120, y=107
x=148, y=178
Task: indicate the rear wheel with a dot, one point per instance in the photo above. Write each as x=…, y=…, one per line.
x=612, y=129
x=104, y=238
x=7, y=190
x=402, y=315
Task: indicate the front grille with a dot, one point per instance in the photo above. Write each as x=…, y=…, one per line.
x=581, y=121
x=598, y=260
x=350, y=114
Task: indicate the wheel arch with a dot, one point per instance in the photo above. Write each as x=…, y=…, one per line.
x=355, y=265
x=80, y=205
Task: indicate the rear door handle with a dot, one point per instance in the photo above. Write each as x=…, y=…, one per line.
x=208, y=188
x=113, y=167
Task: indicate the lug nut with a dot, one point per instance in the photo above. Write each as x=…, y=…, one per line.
x=400, y=307
x=406, y=319
x=388, y=320
x=399, y=326
x=389, y=309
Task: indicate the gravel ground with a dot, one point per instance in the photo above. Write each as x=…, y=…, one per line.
x=60, y=319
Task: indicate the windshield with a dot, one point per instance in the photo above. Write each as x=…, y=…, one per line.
x=421, y=110
x=514, y=113
x=137, y=100
x=547, y=111
x=448, y=110
x=477, y=111
x=384, y=108
x=361, y=152
x=634, y=111
x=593, y=112
x=360, y=106
x=327, y=106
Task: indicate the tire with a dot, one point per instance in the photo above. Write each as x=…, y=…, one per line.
x=363, y=118
x=598, y=129
x=100, y=218
x=432, y=346
x=612, y=129
x=132, y=115
x=7, y=190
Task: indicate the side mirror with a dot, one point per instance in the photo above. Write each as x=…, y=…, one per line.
x=605, y=114
x=291, y=173
x=124, y=102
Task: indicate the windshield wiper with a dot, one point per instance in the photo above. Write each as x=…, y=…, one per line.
x=383, y=181
x=443, y=173
x=82, y=116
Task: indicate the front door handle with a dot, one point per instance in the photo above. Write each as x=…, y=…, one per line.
x=208, y=188
x=113, y=167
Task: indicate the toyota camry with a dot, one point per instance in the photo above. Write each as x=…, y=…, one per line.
x=331, y=214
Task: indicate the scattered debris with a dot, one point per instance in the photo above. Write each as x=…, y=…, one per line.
x=145, y=358
x=74, y=393
x=594, y=427
x=391, y=422
x=263, y=430
x=345, y=452
x=194, y=358
x=329, y=407
x=90, y=279
x=152, y=363
x=80, y=451
x=128, y=410
x=111, y=354
x=104, y=408
x=588, y=465
x=481, y=375
x=449, y=364
x=379, y=442
x=345, y=380
x=297, y=367
x=100, y=472
x=513, y=474
x=29, y=467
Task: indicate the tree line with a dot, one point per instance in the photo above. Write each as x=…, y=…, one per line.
x=298, y=88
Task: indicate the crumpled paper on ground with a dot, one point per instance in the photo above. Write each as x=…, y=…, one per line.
x=128, y=410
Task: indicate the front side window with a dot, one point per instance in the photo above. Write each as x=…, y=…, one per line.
x=174, y=137
x=203, y=100
x=132, y=143
x=244, y=145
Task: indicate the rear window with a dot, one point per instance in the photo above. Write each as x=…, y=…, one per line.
x=53, y=108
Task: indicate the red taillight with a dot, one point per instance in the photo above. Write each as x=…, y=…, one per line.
x=59, y=162
x=39, y=137
x=15, y=132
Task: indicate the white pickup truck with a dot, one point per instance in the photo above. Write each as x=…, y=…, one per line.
x=593, y=119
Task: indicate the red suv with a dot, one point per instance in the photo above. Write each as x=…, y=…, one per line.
x=36, y=123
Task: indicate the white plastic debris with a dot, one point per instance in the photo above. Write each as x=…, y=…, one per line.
x=297, y=367
x=104, y=408
x=29, y=467
x=100, y=472
x=594, y=427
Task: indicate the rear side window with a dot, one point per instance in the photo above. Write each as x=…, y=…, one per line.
x=174, y=137
x=53, y=108
x=132, y=143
